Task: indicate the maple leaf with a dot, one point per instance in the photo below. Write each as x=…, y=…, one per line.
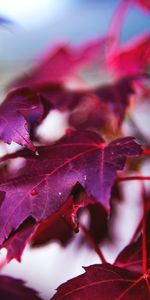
x=100, y=107
x=61, y=230
x=59, y=97
x=105, y=282
x=14, y=289
x=61, y=61
x=94, y=114
x=41, y=187
x=103, y=107
x=49, y=231
x=131, y=257
x=98, y=226
x=61, y=226
x=145, y=4
x=18, y=112
x=132, y=58
x=17, y=241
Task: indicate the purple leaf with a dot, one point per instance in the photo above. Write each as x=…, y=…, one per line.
x=17, y=241
x=41, y=187
x=18, y=112
x=105, y=282
x=103, y=107
x=14, y=289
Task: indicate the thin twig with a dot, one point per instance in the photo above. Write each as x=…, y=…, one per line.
x=138, y=177
x=93, y=243
x=144, y=237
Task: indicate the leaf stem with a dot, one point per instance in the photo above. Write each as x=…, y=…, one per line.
x=144, y=238
x=116, y=23
x=146, y=152
x=93, y=243
x=138, y=177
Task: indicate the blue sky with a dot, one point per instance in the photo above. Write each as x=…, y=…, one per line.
x=40, y=23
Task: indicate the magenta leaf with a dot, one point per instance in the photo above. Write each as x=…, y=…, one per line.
x=48, y=231
x=105, y=282
x=60, y=229
x=57, y=227
x=145, y=4
x=60, y=62
x=18, y=112
x=133, y=58
x=41, y=187
x=17, y=241
x=98, y=223
x=131, y=257
x=103, y=107
x=14, y=289
x=61, y=226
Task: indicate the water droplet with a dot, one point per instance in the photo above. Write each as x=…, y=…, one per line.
x=68, y=131
x=59, y=193
x=85, y=177
x=36, y=153
x=33, y=192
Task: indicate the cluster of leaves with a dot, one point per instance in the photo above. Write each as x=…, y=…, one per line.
x=42, y=200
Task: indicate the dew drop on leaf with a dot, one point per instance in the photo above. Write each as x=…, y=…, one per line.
x=68, y=131
x=33, y=192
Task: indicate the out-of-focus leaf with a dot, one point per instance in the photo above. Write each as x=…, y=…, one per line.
x=18, y=112
x=14, y=289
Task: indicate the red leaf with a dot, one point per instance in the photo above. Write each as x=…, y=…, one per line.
x=62, y=61
x=105, y=282
x=103, y=107
x=48, y=231
x=41, y=187
x=14, y=289
x=91, y=112
x=97, y=228
x=145, y=4
x=61, y=227
x=133, y=58
x=131, y=257
x=16, y=243
x=20, y=109
x=61, y=230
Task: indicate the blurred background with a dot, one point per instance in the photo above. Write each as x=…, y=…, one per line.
x=36, y=25
x=30, y=27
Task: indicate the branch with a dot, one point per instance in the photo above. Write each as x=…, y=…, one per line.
x=93, y=243
x=138, y=177
x=144, y=237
